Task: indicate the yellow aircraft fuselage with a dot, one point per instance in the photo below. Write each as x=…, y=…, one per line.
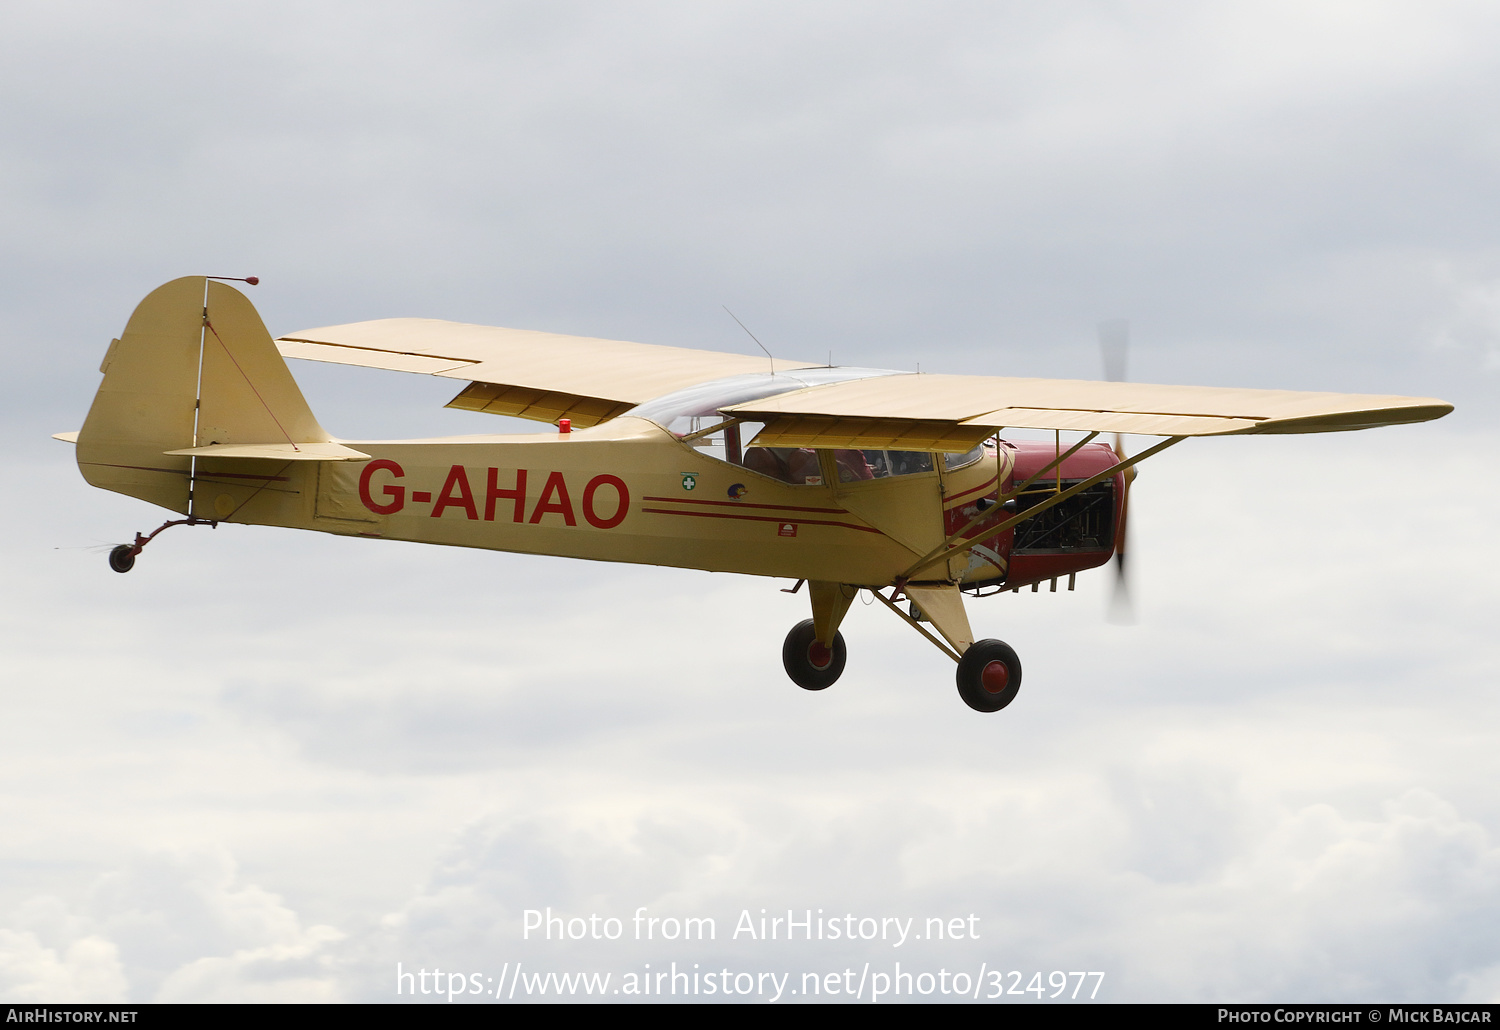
x=624, y=491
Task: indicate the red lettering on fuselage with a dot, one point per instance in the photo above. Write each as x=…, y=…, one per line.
x=493, y=493
x=397, y=494
x=556, y=487
x=457, y=480
x=622, y=502
x=457, y=492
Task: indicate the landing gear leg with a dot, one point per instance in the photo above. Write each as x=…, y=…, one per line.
x=814, y=652
x=989, y=675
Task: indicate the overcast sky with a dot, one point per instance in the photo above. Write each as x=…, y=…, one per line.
x=269, y=765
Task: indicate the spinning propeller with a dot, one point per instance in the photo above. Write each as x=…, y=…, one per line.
x=1114, y=343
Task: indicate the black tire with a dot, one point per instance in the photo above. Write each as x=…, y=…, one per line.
x=992, y=692
x=122, y=558
x=800, y=658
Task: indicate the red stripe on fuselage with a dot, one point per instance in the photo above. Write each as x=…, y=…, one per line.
x=760, y=518
x=185, y=472
x=949, y=501
x=746, y=504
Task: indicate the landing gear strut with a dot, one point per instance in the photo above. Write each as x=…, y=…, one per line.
x=811, y=665
x=989, y=675
x=122, y=557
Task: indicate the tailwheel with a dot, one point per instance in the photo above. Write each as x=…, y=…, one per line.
x=989, y=675
x=122, y=558
x=811, y=665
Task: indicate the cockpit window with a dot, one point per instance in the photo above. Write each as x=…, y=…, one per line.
x=958, y=461
x=671, y=411
x=699, y=407
x=857, y=465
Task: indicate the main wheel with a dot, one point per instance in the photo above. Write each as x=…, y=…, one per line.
x=122, y=558
x=989, y=675
x=811, y=665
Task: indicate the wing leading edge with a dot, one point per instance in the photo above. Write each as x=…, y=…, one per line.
x=952, y=413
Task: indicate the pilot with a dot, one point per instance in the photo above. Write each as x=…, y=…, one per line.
x=853, y=466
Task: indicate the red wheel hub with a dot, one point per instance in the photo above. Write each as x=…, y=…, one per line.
x=995, y=677
x=818, y=656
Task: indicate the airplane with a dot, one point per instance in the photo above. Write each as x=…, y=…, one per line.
x=844, y=479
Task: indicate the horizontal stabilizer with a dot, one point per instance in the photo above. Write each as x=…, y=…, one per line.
x=66, y=437
x=276, y=451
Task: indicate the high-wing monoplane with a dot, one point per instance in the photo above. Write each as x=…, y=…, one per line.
x=845, y=479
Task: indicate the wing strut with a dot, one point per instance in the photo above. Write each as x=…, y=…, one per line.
x=941, y=646
x=947, y=549
x=1039, y=473
x=977, y=519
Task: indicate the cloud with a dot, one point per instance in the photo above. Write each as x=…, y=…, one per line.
x=1395, y=904
x=88, y=970
x=169, y=927
x=290, y=972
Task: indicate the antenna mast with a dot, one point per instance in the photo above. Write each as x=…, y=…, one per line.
x=752, y=336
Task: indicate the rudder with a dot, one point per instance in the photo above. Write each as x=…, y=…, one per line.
x=247, y=394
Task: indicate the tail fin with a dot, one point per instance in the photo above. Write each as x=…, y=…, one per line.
x=195, y=367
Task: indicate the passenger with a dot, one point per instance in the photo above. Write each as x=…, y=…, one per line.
x=766, y=462
x=804, y=467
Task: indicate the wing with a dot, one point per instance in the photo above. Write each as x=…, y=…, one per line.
x=543, y=376
x=953, y=413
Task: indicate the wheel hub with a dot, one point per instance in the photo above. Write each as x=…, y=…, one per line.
x=995, y=677
x=818, y=656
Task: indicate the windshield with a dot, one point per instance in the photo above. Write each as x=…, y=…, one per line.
x=696, y=412
x=676, y=411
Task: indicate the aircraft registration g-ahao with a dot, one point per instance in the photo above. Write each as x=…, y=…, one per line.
x=846, y=479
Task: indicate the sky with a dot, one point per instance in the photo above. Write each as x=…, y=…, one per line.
x=273, y=766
